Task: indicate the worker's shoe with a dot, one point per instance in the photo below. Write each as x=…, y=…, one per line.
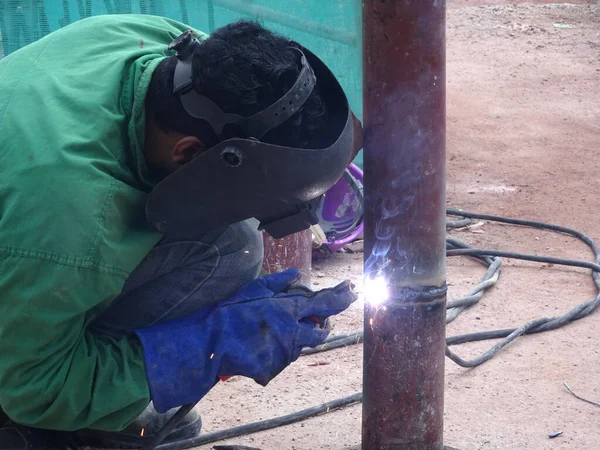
x=18, y=437
x=145, y=427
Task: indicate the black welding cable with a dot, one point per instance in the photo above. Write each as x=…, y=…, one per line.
x=343, y=341
x=336, y=337
x=534, y=224
x=489, y=279
x=523, y=256
x=495, y=349
x=537, y=325
x=525, y=223
x=452, y=224
x=474, y=295
x=452, y=243
x=262, y=425
x=478, y=336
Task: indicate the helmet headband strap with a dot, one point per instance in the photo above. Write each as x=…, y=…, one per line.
x=255, y=126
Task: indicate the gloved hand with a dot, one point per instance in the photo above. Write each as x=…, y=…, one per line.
x=257, y=333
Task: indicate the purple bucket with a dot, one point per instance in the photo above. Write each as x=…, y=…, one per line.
x=341, y=211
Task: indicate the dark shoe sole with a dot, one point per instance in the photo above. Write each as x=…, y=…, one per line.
x=103, y=439
x=18, y=437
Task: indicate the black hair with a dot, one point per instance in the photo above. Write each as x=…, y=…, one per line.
x=243, y=68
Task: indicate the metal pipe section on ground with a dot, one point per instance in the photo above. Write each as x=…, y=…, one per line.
x=293, y=251
x=404, y=165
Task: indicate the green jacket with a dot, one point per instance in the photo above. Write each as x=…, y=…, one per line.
x=73, y=187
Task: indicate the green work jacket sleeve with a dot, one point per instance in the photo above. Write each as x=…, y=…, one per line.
x=54, y=373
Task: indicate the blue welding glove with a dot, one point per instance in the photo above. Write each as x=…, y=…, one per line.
x=256, y=334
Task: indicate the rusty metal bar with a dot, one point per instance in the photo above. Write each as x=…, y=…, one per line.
x=404, y=162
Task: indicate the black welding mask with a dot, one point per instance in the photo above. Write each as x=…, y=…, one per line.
x=238, y=179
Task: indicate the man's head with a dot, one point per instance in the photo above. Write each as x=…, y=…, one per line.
x=243, y=68
x=244, y=124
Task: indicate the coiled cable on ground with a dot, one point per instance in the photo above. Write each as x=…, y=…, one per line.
x=491, y=258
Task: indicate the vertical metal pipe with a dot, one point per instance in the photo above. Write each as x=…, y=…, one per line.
x=404, y=162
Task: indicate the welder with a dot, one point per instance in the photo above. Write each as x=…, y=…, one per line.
x=141, y=161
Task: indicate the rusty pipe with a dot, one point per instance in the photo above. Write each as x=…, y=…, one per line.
x=404, y=166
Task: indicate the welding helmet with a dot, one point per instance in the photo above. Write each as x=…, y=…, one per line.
x=341, y=211
x=241, y=178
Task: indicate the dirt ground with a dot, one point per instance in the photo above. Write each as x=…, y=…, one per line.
x=455, y=4
x=523, y=126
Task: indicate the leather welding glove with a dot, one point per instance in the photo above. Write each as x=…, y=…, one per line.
x=256, y=334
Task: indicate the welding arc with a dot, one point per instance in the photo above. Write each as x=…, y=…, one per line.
x=262, y=425
x=491, y=259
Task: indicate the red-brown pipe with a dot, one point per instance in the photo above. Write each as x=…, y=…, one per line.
x=293, y=251
x=404, y=165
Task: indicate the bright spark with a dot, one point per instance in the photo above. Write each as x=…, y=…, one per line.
x=142, y=432
x=376, y=291
x=212, y=355
x=246, y=251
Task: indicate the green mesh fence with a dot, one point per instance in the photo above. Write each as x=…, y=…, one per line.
x=331, y=28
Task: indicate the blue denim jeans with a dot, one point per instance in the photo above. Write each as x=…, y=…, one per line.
x=179, y=277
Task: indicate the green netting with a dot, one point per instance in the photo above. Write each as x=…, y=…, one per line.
x=331, y=28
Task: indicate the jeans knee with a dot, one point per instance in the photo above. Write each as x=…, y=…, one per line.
x=242, y=244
